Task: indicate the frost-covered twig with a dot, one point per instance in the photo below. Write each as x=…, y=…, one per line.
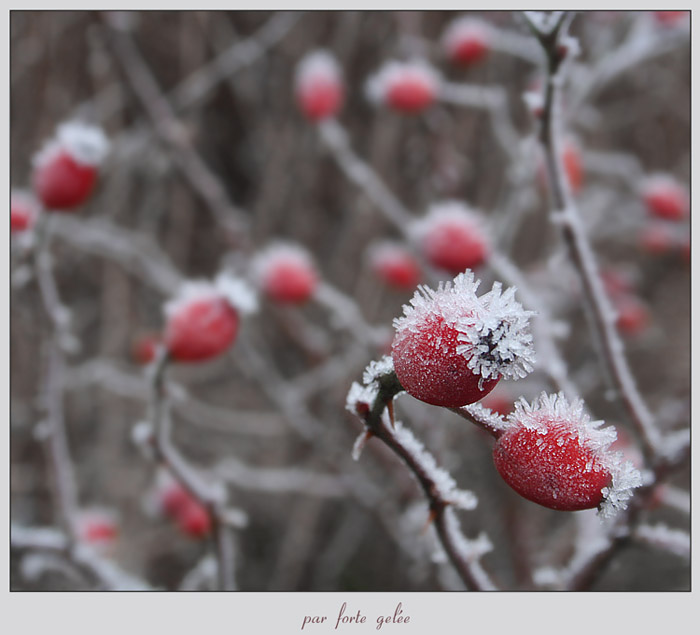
x=61, y=463
x=280, y=480
x=557, y=45
x=346, y=313
x=192, y=167
x=373, y=404
x=135, y=252
x=43, y=539
x=212, y=495
x=362, y=175
x=192, y=90
x=674, y=541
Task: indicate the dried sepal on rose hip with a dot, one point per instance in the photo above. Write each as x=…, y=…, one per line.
x=285, y=273
x=319, y=85
x=202, y=321
x=466, y=40
x=452, y=237
x=551, y=453
x=406, y=87
x=66, y=168
x=452, y=347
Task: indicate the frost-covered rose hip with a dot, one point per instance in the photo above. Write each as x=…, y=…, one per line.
x=194, y=520
x=551, y=453
x=466, y=40
x=665, y=197
x=452, y=237
x=65, y=170
x=407, y=87
x=203, y=320
x=395, y=264
x=286, y=273
x=451, y=347
x=24, y=210
x=319, y=85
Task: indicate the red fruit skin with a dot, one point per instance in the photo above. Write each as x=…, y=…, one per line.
x=666, y=200
x=174, y=499
x=99, y=532
x=194, y=520
x=571, y=158
x=22, y=217
x=553, y=473
x=201, y=330
x=469, y=50
x=289, y=281
x=62, y=183
x=498, y=404
x=454, y=246
x=397, y=269
x=320, y=98
x=144, y=349
x=410, y=95
x=632, y=315
x=430, y=369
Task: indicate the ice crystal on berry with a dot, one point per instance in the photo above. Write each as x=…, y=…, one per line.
x=498, y=343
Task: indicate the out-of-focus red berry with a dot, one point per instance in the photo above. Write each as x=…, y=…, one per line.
x=408, y=87
x=665, y=197
x=632, y=315
x=395, y=265
x=201, y=329
x=65, y=170
x=194, y=520
x=452, y=238
x=286, y=273
x=145, y=347
x=24, y=210
x=466, y=41
x=319, y=86
x=656, y=239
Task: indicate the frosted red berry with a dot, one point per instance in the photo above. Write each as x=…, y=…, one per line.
x=452, y=237
x=202, y=321
x=552, y=454
x=451, y=347
x=24, y=211
x=98, y=527
x=286, y=273
x=466, y=41
x=395, y=265
x=66, y=169
x=632, y=315
x=407, y=87
x=194, y=519
x=665, y=197
x=657, y=239
x=319, y=86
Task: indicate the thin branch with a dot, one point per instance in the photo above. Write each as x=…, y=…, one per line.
x=462, y=553
x=565, y=214
x=192, y=167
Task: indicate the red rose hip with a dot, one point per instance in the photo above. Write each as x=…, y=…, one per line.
x=65, y=170
x=552, y=454
x=407, y=87
x=451, y=347
x=466, y=41
x=452, y=237
x=319, y=86
x=395, y=265
x=286, y=273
